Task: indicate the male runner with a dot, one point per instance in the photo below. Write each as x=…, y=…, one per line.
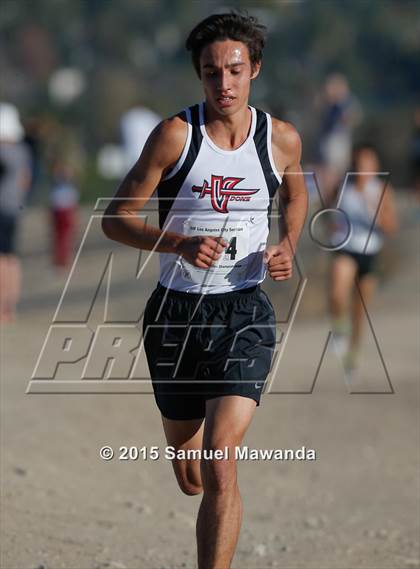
x=372, y=213
x=209, y=329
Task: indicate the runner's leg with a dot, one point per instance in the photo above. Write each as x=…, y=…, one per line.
x=343, y=272
x=4, y=288
x=367, y=286
x=10, y=284
x=184, y=435
x=15, y=283
x=220, y=514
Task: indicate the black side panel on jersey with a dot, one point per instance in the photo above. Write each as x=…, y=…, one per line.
x=168, y=190
x=260, y=140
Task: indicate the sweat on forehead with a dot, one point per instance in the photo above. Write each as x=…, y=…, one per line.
x=227, y=53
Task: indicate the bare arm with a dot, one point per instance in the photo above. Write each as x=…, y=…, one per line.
x=161, y=151
x=121, y=221
x=287, y=151
x=387, y=219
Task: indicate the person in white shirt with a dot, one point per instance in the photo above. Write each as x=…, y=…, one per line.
x=216, y=167
x=370, y=215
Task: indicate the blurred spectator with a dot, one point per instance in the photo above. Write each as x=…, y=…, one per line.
x=136, y=125
x=416, y=153
x=64, y=200
x=14, y=182
x=341, y=113
x=33, y=141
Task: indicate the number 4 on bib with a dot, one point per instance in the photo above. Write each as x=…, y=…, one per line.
x=232, y=250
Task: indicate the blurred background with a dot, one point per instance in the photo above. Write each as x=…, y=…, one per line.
x=74, y=68
x=82, y=84
x=90, y=79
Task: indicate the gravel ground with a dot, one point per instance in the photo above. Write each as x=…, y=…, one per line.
x=355, y=506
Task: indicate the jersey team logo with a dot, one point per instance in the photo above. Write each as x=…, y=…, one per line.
x=222, y=190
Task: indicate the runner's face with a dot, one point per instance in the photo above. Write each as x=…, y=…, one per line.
x=226, y=75
x=367, y=164
x=366, y=161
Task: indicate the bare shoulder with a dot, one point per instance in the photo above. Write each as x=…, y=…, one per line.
x=162, y=150
x=173, y=129
x=286, y=141
x=168, y=138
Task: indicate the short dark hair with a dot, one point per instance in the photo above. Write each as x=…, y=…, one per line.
x=231, y=26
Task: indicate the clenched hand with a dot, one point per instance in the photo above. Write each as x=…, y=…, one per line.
x=279, y=261
x=202, y=251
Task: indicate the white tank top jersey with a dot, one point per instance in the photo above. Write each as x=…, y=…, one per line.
x=360, y=208
x=221, y=193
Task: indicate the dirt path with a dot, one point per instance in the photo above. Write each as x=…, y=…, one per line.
x=355, y=506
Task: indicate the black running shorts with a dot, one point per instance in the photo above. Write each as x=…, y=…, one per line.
x=7, y=233
x=204, y=346
x=365, y=263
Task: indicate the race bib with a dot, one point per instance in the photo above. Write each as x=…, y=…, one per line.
x=231, y=267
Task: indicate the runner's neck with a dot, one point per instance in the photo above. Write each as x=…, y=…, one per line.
x=229, y=133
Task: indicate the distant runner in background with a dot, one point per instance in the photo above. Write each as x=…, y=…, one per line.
x=371, y=212
x=14, y=182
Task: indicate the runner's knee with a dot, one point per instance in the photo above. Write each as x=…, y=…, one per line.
x=188, y=480
x=189, y=488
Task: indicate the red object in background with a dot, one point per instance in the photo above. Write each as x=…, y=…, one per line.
x=64, y=227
